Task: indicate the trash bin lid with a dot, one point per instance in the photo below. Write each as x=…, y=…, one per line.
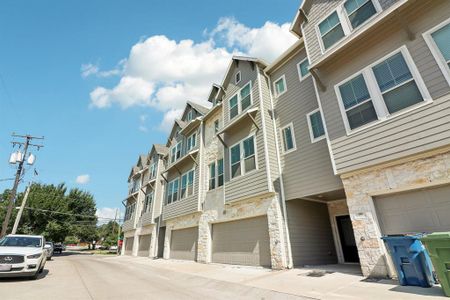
x=411, y=236
x=437, y=236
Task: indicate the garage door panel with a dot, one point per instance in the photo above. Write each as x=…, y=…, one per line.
x=129, y=245
x=144, y=245
x=183, y=244
x=419, y=211
x=243, y=242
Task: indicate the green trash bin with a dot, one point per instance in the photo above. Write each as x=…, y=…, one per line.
x=438, y=246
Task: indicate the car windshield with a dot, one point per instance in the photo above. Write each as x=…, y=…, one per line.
x=21, y=241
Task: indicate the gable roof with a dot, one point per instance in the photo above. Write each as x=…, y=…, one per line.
x=134, y=171
x=161, y=149
x=203, y=110
x=300, y=17
x=235, y=61
x=215, y=89
x=176, y=124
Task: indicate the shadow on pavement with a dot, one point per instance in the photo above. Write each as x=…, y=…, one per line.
x=70, y=253
x=44, y=273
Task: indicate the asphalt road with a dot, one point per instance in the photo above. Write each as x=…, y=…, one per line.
x=81, y=276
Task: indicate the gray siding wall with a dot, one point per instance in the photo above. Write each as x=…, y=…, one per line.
x=306, y=171
x=416, y=131
x=310, y=233
x=240, y=187
x=319, y=10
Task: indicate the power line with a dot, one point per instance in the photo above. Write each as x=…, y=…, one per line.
x=69, y=214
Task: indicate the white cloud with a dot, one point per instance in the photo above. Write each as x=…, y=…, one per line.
x=88, y=70
x=142, y=127
x=106, y=214
x=82, y=179
x=91, y=69
x=162, y=73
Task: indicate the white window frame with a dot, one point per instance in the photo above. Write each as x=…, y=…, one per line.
x=311, y=133
x=345, y=22
x=191, y=142
x=376, y=95
x=171, y=195
x=238, y=94
x=437, y=54
x=210, y=178
x=291, y=126
x=283, y=78
x=241, y=158
x=190, y=115
x=300, y=72
x=146, y=204
x=153, y=169
x=238, y=74
x=187, y=195
x=216, y=126
x=177, y=148
x=223, y=172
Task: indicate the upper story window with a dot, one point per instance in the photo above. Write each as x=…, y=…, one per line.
x=331, y=30
x=190, y=115
x=172, y=190
x=303, y=69
x=287, y=133
x=237, y=77
x=359, y=11
x=438, y=39
x=240, y=101
x=216, y=175
x=216, y=126
x=315, y=124
x=243, y=157
x=187, y=184
x=129, y=211
x=280, y=86
x=175, y=152
x=148, y=201
x=153, y=169
x=134, y=185
x=191, y=142
x=386, y=87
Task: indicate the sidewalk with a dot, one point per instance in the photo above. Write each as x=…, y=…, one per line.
x=325, y=282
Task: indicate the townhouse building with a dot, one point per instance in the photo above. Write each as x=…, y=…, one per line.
x=381, y=69
x=311, y=159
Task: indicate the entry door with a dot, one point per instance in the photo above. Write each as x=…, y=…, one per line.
x=347, y=239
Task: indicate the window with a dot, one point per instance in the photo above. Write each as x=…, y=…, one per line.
x=190, y=115
x=191, y=142
x=438, y=40
x=303, y=69
x=280, y=86
x=129, y=211
x=386, y=87
x=241, y=101
x=216, y=126
x=153, y=168
x=238, y=77
x=315, y=123
x=331, y=30
x=396, y=83
x=288, y=138
x=147, y=202
x=246, y=163
x=359, y=11
x=220, y=172
x=172, y=191
x=175, y=152
x=187, y=184
x=212, y=175
x=134, y=185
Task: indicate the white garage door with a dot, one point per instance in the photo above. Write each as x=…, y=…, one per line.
x=419, y=211
x=183, y=244
x=144, y=245
x=244, y=242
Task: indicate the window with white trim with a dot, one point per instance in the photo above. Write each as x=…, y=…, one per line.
x=129, y=211
x=220, y=175
x=191, y=142
x=280, y=86
x=175, y=152
x=216, y=126
x=243, y=157
x=315, y=124
x=303, y=69
x=331, y=30
x=287, y=133
x=190, y=115
x=153, y=168
x=240, y=101
x=382, y=89
x=148, y=201
x=172, y=190
x=187, y=184
x=438, y=39
x=442, y=39
x=237, y=77
x=359, y=11
x=212, y=175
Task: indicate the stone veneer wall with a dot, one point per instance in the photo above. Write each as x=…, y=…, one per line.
x=362, y=186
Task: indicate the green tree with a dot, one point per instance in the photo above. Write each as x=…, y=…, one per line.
x=108, y=233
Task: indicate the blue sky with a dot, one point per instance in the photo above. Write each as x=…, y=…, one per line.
x=96, y=79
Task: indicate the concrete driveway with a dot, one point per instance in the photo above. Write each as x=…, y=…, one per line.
x=81, y=276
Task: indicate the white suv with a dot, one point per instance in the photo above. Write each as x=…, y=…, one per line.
x=22, y=255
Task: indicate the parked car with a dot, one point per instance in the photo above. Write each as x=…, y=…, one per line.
x=50, y=249
x=22, y=255
x=113, y=249
x=58, y=248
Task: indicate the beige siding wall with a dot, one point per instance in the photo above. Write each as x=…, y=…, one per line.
x=307, y=170
x=415, y=131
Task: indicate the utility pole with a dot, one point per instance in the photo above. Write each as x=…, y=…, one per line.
x=22, y=206
x=21, y=160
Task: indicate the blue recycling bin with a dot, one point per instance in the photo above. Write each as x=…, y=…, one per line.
x=411, y=260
